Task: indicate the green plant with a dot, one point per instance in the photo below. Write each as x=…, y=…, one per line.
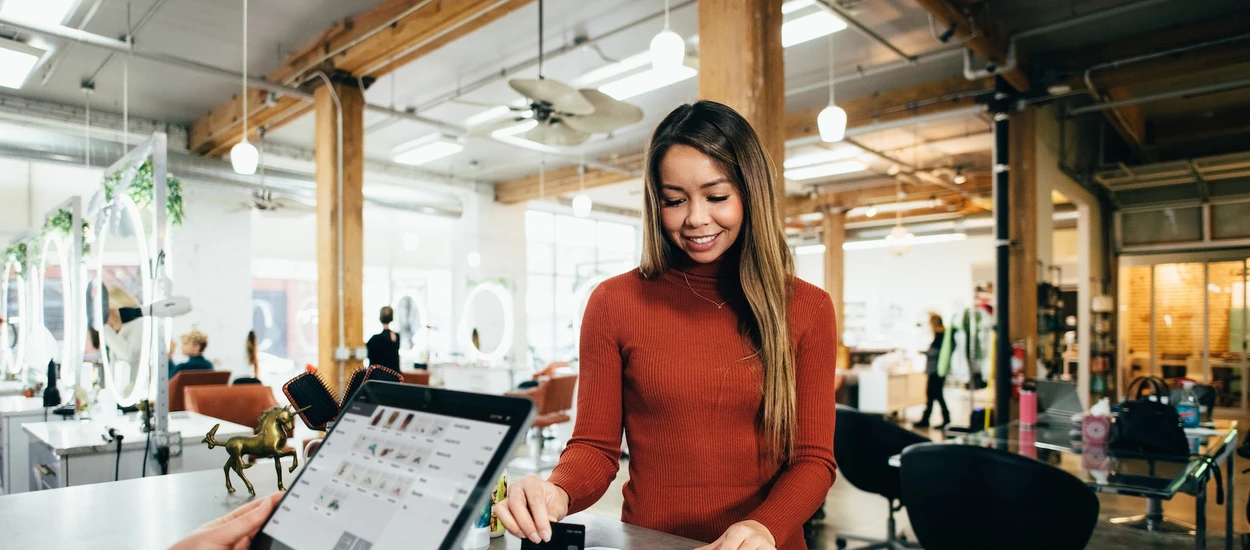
x=62, y=222
x=16, y=252
x=140, y=191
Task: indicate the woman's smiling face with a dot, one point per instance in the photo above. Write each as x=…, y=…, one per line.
x=700, y=207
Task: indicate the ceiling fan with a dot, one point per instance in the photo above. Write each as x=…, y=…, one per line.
x=262, y=199
x=565, y=115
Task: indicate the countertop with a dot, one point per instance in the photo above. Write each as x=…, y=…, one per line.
x=11, y=404
x=10, y=388
x=87, y=436
x=157, y=511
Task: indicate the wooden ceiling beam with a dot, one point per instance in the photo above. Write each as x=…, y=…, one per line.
x=796, y=206
x=565, y=180
x=372, y=44
x=937, y=96
x=979, y=33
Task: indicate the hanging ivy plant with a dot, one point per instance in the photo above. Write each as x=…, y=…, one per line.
x=140, y=191
x=61, y=223
x=16, y=252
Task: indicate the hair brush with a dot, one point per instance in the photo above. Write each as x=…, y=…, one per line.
x=309, y=390
x=363, y=375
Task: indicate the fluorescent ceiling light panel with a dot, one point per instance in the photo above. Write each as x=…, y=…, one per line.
x=886, y=243
x=487, y=115
x=519, y=128
x=17, y=60
x=818, y=155
x=47, y=12
x=612, y=70
x=795, y=5
x=646, y=81
x=809, y=249
x=810, y=27
x=826, y=170
x=426, y=149
x=893, y=207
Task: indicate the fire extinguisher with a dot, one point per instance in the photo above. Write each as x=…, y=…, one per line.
x=1017, y=368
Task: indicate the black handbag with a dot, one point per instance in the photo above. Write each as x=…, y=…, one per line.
x=1148, y=427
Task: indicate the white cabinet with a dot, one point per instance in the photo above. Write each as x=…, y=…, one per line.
x=66, y=454
x=888, y=392
x=15, y=411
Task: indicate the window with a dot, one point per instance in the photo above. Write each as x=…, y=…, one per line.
x=565, y=257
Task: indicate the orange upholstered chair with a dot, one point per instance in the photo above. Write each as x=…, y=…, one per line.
x=554, y=399
x=185, y=379
x=238, y=404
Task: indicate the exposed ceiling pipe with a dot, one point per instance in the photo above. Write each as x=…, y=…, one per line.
x=56, y=63
x=358, y=40
x=143, y=20
x=1183, y=93
x=859, y=72
x=864, y=30
x=909, y=122
x=109, y=44
x=195, y=168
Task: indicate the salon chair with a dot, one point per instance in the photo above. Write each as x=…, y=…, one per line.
x=419, y=378
x=554, y=399
x=186, y=379
x=239, y=404
x=963, y=497
x=862, y=446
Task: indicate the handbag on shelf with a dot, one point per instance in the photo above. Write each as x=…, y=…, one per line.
x=1146, y=426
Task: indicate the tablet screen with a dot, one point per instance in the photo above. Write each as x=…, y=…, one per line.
x=387, y=477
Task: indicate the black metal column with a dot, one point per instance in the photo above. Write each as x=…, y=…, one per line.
x=1001, y=107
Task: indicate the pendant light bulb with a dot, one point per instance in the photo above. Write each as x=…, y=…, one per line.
x=668, y=50
x=832, y=124
x=244, y=157
x=582, y=205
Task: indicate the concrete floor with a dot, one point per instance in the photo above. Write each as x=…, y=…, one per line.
x=849, y=510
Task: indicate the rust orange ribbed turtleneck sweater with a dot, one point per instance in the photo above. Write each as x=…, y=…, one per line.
x=662, y=362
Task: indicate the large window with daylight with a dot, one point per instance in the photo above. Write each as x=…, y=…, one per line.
x=566, y=257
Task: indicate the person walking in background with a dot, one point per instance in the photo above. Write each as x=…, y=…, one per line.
x=384, y=346
x=193, y=345
x=937, y=382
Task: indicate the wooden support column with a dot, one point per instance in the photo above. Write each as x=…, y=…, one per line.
x=1022, y=199
x=833, y=234
x=742, y=64
x=329, y=224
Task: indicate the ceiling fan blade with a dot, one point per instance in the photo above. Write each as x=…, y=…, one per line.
x=610, y=114
x=487, y=128
x=283, y=203
x=560, y=96
x=556, y=133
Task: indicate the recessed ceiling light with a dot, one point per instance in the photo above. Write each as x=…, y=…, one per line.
x=646, y=81
x=826, y=170
x=46, y=12
x=810, y=27
x=17, y=60
x=426, y=149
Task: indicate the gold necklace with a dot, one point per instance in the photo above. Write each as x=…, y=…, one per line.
x=711, y=301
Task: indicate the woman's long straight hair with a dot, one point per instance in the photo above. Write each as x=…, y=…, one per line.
x=766, y=264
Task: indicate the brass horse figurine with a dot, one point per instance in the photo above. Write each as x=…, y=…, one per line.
x=269, y=441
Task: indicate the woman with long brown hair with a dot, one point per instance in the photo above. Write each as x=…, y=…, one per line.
x=713, y=358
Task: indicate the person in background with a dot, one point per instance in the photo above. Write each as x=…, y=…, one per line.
x=252, y=361
x=933, y=392
x=712, y=357
x=384, y=346
x=193, y=345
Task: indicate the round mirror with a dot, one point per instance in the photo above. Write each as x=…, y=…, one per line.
x=57, y=299
x=13, y=308
x=117, y=291
x=486, y=326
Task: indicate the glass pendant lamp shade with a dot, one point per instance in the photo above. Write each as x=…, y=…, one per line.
x=832, y=124
x=244, y=157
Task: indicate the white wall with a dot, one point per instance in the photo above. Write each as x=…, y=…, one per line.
x=210, y=266
x=810, y=268
x=497, y=233
x=898, y=292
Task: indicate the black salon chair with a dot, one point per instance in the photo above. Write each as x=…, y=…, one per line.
x=961, y=497
x=862, y=446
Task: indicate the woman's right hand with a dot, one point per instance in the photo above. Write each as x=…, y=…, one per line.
x=532, y=504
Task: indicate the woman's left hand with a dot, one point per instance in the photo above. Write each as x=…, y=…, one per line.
x=233, y=531
x=744, y=535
